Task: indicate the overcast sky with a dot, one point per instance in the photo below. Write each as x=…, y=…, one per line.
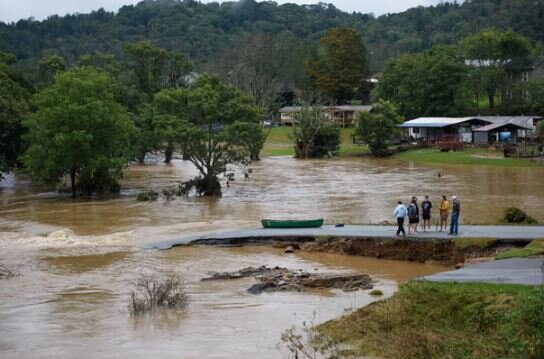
x=13, y=10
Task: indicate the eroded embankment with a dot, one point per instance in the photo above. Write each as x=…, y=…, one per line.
x=446, y=251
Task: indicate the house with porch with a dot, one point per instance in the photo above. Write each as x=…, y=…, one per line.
x=343, y=115
x=472, y=129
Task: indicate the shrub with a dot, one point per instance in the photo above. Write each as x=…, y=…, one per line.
x=516, y=215
x=148, y=196
x=151, y=293
x=5, y=272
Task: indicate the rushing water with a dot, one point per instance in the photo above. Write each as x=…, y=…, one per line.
x=77, y=260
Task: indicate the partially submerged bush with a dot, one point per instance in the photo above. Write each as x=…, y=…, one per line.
x=516, y=215
x=152, y=292
x=308, y=343
x=148, y=196
x=5, y=272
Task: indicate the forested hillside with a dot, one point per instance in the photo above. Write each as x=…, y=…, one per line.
x=202, y=31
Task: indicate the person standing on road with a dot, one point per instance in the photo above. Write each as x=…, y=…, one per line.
x=426, y=206
x=400, y=213
x=413, y=216
x=455, y=212
x=444, y=211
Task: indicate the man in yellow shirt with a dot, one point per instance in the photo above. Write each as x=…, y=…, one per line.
x=444, y=209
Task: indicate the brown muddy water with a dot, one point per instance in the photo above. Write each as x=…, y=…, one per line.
x=77, y=260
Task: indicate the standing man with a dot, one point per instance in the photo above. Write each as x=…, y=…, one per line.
x=426, y=206
x=444, y=210
x=400, y=213
x=455, y=211
x=413, y=216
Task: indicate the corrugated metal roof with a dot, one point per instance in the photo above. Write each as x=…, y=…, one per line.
x=436, y=122
x=439, y=122
x=355, y=108
x=498, y=125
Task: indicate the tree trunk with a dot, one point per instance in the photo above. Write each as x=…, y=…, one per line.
x=141, y=157
x=212, y=186
x=73, y=182
x=168, y=152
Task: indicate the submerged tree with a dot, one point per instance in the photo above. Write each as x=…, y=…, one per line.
x=209, y=122
x=80, y=131
x=378, y=127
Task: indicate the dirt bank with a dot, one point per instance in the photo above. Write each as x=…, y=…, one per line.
x=449, y=252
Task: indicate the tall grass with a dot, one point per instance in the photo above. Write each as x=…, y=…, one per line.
x=448, y=320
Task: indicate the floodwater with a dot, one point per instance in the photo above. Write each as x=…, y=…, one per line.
x=77, y=260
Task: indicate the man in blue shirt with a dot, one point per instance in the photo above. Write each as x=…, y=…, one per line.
x=455, y=212
x=400, y=213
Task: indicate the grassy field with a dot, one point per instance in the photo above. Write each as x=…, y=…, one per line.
x=447, y=320
x=469, y=156
x=279, y=143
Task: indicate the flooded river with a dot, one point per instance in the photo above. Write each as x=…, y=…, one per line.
x=77, y=260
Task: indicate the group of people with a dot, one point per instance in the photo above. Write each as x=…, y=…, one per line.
x=412, y=212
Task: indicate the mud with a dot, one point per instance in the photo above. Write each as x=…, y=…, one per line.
x=278, y=279
x=414, y=250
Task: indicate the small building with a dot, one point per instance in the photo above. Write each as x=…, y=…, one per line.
x=431, y=129
x=344, y=115
x=500, y=132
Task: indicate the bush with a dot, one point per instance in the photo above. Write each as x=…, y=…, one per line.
x=151, y=293
x=5, y=272
x=148, y=196
x=516, y=215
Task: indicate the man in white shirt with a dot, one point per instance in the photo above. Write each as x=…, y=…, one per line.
x=400, y=213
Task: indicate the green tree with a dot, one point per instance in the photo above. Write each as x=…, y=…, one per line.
x=378, y=127
x=14, y=105
x=431, y=83
x=48, y=67
x=340, y=65
x=314, y=134
x=80, y=131
x=208, y=122
x=489, y=52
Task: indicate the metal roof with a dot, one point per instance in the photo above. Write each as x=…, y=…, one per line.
x=355, y=108
x=495, y=126
x=436, y=122
x=525, y=122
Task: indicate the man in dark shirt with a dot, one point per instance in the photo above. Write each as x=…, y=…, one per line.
x=426, y=206
x=455, y=212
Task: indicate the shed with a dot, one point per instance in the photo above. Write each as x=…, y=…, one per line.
x=491, y=133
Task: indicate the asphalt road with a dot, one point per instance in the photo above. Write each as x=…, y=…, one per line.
x=499, y=232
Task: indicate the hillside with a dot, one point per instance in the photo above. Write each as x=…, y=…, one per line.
x=202, y=31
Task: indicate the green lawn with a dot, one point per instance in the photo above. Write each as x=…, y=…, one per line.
x=446, y=320
x=279, y=143
x=469, y=156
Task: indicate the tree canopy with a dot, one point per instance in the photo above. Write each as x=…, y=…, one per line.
x=378, y=127
x=208, y=121
x=425, y=84
x=78, y=130
x=340, y=66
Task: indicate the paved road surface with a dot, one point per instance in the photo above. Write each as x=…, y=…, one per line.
x=506, y=271
x=500, y=232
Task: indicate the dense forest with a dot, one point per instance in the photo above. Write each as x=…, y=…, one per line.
x=204, y=31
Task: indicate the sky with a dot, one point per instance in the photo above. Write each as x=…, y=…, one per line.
x=13, y=10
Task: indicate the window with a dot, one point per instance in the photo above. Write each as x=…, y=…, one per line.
x=415, y=130
x=525, y=76
x=509, y=94
x=526, y=95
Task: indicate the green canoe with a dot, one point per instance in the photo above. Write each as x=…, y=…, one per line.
x=313, y=223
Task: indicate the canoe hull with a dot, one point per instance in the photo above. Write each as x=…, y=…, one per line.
x=314, y=223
